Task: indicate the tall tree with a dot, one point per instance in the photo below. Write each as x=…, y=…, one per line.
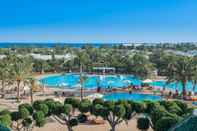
x=21, y=68
x=181, y=69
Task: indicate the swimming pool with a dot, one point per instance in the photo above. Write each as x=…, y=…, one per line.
x=173, y=85
x=71, y=80
x=133, y=96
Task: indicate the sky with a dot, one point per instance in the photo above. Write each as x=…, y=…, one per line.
x=95, y=21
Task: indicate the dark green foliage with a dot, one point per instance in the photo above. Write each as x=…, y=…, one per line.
x=98, y=101
x=189, y=125
x=172, y=107
x=41, y=106
x=73, y=101
x=67, y=108
x=119, y=111
x=128, y=111
x=51, y=104
x=5, y=120
x=36, y=104
x=15, y=116
x=140, y=107
x=82, y=118
x=58, y=108
x=4, y=112
x=109, y=105
x=73, y=122
x=27, y=122
x=3, y=128
x=143, y=123
x=150, y=106
x=39, y=117
x=182, y=105
x=23, y=113
x=165, y=123
x=157, y=114
x=28, y=107
x=97, y=110
x=85, y=106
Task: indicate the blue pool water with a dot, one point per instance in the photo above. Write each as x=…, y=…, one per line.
x=173, y=85
x=133, y=96
x=92, y=81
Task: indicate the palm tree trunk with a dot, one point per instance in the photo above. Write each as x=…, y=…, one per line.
x=31, y=95
x=184, y=89
x=81, y=92
x=2, y=86
x=18, y=90
x=113, y=128
x=81, y=68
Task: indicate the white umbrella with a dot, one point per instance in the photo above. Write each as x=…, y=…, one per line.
x=147, y=81
x=94, y=96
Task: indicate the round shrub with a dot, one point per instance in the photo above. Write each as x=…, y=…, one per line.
x=109, y=105
x=119, y=110
x=150, y=106
x=23, y=113
x=27, y=106
x=5, y=112
x=97, y=110
x=41, y=106
x=73, y=101
x=39, y=117
x=158, y=113
x=58, y=108
x=51, y=106
x=5, y=120
x=140, y=107
x=98, y=101
x=85, y=106
x=67, y=108
x=36, y=104
x=143, y=123
x=165, y=123
x=182, y=105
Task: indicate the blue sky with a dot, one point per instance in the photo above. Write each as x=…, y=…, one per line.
x=98, y=20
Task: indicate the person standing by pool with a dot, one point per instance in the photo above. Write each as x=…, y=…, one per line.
x=130, y=89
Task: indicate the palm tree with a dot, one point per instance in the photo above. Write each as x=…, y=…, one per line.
x=21, y=68
x=140, y=66
x=4, y=73
x=181, y=69
x=32, y=85
x=82, y=79
x=82, y=59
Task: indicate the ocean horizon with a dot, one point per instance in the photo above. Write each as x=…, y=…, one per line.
x=50, y=45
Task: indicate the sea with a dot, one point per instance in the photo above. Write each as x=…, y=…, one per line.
x=51, y=45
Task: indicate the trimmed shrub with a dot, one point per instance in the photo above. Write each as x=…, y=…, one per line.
x=27, y=106
x=5, y=112
x=39, y=117
x=165, y=123
x=72, y=101
x=23, y=113
x=143, y=123
x=5, y=120
x=98, y=101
